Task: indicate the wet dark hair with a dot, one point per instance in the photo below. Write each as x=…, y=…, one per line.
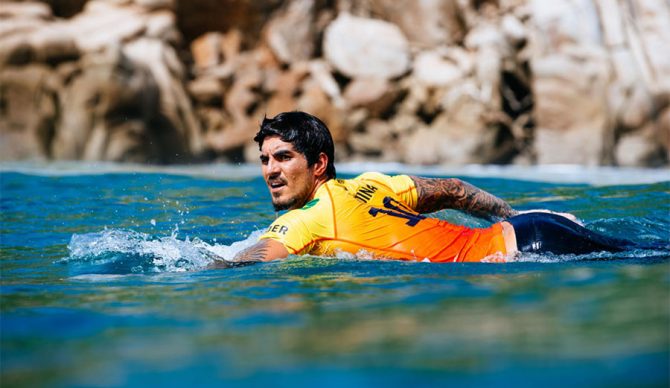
x=309, y=136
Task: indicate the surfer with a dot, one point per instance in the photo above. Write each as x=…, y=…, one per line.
x=384, y=216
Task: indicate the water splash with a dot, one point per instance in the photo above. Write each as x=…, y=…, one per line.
x=115, y=251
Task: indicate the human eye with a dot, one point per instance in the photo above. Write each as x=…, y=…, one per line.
x=264, y=159
x=283, y=156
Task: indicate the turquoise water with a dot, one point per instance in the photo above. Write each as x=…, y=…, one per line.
x=102, y=284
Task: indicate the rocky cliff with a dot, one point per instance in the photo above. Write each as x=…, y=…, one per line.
x=454, y=82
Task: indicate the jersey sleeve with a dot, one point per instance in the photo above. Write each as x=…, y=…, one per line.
x=291, y=231
x=402, y=185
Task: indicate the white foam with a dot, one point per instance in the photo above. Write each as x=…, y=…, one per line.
x=167, y=254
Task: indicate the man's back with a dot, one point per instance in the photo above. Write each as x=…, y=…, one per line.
x=374, y=214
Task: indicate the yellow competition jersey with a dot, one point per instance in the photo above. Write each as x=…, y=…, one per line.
x=374, y=213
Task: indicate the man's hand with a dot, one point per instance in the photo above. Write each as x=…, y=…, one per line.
x=451, y=193
x=264, y=250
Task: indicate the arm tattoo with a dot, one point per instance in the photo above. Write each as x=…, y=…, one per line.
x=250, y=255
x=437, y=194
x=256, y=252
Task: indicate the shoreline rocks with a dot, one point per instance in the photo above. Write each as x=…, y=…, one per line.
x=431, y=82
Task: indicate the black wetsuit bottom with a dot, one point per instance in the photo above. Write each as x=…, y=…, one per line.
x=551, y=233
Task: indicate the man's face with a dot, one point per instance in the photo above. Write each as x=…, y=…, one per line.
x=290, y=180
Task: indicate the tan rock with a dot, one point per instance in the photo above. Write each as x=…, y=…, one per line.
x=162, y=25
x=363, y=91
x=287, y=82
x=422, y=147
x=649, y=37
x=53, y=44
x=513, y=29
x=571, y=106
x=555, y=24
x=377, y=96
x=17, y=26
x=290, y=34
x=373, y=140
x=206, y=90
x=425, y=23
x=284, y=86
x=102, y=25
x=641, y=148
x=611, y=18
x=571, y=123
x=206, y=50
x=402, y=124
x=241, y=97
x=637, y=109
x=233, y=138
x=321, y=73
x=459, y=135
x=314, y=100
x=161, y=60
x=25, y=10
x=213, y=119
x=28, y=113
x=433, y=69
x=360, y=47
x=15, y=50
x=83, y=124
x=153, y=5
x=231, y=44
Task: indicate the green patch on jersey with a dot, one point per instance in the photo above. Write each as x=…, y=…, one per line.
x=310, y=204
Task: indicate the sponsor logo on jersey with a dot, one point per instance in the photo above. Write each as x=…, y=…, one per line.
x=277, y=228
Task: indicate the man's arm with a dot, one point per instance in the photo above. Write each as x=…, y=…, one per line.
x=450, y=193
x=264, y=250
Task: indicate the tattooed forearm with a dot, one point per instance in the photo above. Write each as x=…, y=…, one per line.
x=437, y=194
x=256, y=252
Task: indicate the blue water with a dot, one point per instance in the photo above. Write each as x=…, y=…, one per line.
x=103, y=284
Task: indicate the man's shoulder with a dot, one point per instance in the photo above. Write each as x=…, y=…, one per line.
x=372, y=175
x=308, y=211
x=396, y=182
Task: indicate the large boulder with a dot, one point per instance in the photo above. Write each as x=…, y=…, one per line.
x=435, y=68
x=111, y=111
x=362, y=47
x=462, y=133
x=161, y=60
x=571, y=110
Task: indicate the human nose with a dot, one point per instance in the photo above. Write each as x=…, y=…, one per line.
x=272, y=167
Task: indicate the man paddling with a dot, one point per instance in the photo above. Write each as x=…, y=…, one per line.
x=383, y=216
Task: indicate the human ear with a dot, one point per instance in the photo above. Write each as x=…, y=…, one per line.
x=321, y=165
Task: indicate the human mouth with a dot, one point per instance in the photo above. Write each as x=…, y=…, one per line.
x=276, y=185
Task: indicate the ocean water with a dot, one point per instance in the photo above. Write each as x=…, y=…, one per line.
x=103, y=283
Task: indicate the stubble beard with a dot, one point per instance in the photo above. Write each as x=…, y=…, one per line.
x=283, y=205
x=295, y=202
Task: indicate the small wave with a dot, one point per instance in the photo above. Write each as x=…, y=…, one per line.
x=115, y=251
x=635, y=254
x=525, y=257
